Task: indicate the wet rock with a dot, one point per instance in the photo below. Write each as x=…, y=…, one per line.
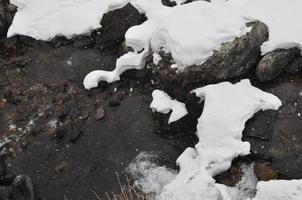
x=295, y=66
x=273, y=63
x=233, y=59
x=22, y=188
x=100, y=113
x=5, y=193
x=264, y=173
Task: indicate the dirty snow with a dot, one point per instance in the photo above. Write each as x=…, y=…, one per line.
x=163, y=103
x=45, y=19
x=226, y=109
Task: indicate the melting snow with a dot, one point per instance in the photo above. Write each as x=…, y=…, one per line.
x=163, y=103
x=226, y=109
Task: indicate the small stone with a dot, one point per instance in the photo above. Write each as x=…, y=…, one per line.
x=2, y=104
x=100, y=113
x=22, y=188
x=273, y=63
x=61, y=166
x=84, y=115
x=264, y=173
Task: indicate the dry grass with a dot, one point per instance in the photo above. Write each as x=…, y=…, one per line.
x=127, y=192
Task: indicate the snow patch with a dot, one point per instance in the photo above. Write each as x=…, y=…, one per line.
x=226, y=109
x=279, y=190
x=163, y=103
x=128, y=61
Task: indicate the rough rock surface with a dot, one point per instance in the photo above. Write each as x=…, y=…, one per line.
x=273, y=63
x=6, y=16
x=233, y=59
x=276, y=136
x=295, y=66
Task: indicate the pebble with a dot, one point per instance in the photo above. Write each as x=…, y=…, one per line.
x=100, y=113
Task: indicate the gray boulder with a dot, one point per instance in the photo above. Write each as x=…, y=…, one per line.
x=233, y=59
x=273, y=63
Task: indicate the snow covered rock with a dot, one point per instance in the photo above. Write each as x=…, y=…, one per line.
x=163, y=103
x=273, y=63
x=233, y=59
x=279, y=190
x=45, y=19
x=227, y=107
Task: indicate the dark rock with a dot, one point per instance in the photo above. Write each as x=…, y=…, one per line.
x=2, y=166
x=233, y=59
x=83, y=42
x=5, y=193
x=114, y=102
x=8, y=179
x=295, y=66
x=264, y=173
x=75, y=134
x=59, y=41
x=273, y=63
x=100, y=113
x=59, y=134
x=115, y=24
x=275, y=137
x=22, y=188
x=168, y=3
x=6, y=16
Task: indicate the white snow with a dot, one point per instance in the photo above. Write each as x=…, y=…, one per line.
x=128, y=61
x=156, y=58
x=226, y=109
x=279, y=190
x=191, y=32
x=45, y=19
x=163, y=103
